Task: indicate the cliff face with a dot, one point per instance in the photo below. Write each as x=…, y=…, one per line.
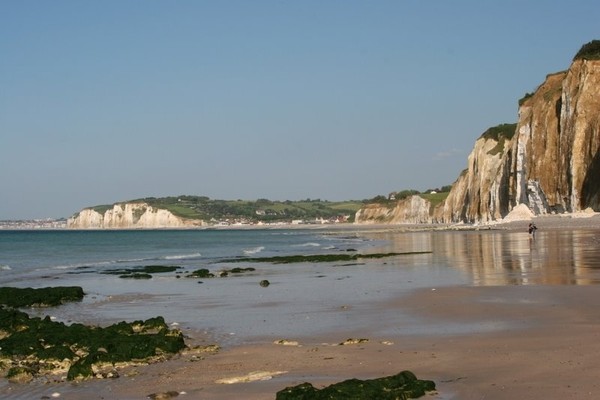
x=477, y=193
x=551, y=164
x=412, y=210
x=130, y=216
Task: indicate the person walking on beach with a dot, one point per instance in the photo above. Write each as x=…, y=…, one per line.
x=532, y=228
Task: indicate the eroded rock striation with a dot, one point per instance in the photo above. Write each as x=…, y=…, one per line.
x=412, y=210
x=551, y=164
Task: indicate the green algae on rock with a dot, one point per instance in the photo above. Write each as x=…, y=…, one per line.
x=238, y=270
x=402, y=386
x=38, y=346
x=200, y=273
x=320, y=257
x=42, y=297
x=205, y=273
x=136, y=275
x=145, y=269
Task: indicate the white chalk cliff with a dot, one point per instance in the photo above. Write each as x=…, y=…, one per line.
x=130, y=216
x=412, y=210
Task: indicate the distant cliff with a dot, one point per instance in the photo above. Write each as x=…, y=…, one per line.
x=550, y=162
x=129, y=216
x=193, y=211
x=412, y=210
x=480, y=194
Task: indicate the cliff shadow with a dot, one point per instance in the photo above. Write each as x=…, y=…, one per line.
x=590, y=191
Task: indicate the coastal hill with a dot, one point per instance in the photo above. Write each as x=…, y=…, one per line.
x=548, y=161
x=201, y=211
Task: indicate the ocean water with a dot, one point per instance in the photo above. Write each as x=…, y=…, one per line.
x=303, y=299
x=28, y=253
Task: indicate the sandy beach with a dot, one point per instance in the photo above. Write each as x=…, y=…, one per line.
x=494, y=341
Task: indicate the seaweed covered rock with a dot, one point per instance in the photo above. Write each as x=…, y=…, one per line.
x=20, y=374
x=42, y=297
x=39, y=345
x=201, y=273
x=404, y=385
x=143, y=272
x=316, y=258
x=205, y=273
x=136, y=275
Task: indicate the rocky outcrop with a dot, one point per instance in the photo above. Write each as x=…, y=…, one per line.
x=130, y=216
x=412, y=210
x=549, y=161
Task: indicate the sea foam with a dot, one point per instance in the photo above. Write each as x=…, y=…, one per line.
x=254, y=250
x=183, y=256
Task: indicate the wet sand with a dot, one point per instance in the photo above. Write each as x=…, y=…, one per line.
x=546, y=345
x=519, y=342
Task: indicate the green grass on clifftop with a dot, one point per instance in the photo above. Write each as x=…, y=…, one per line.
x=435, y=198
x=500, y=133
x=261, y=210
x=589, y=51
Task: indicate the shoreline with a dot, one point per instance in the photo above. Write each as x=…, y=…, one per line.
x=579, y=220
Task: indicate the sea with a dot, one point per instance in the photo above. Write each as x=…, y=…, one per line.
x=302, y=299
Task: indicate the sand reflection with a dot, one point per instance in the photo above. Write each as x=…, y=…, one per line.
x=498, y=258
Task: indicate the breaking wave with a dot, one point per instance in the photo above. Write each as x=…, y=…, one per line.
x=183, y=256
x=309, y=244
x=254, y=250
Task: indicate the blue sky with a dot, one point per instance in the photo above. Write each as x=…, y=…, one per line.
x=106, y=101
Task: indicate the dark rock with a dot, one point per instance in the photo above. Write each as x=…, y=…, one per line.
x=48, y=296
x=404, y=385
x=200, y=273
x=315, y=258
x=136, y=275
x=164, y=395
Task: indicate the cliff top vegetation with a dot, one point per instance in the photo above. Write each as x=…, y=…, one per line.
x=263, y=210
x=500, y=133
x=589, y=51
x=435, y=196
x=506, y=131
